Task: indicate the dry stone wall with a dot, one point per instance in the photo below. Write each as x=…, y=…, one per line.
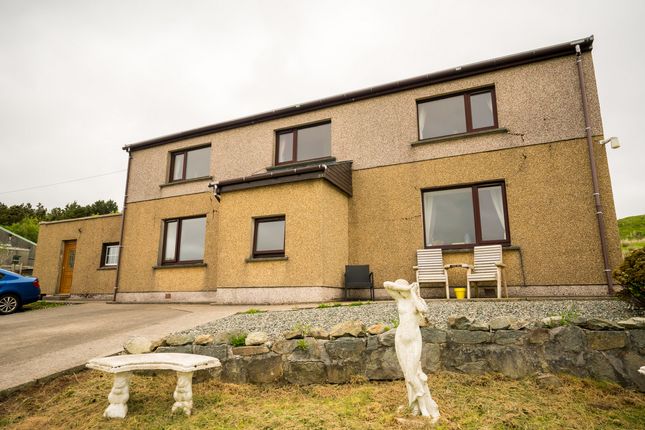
x=592, y=348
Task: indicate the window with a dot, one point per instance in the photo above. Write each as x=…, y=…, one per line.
x=465, y=216
x=268, y=239
x=304, y=143
x=183, y=240
x=110, y=254
x=456, y=114
x=190, y=163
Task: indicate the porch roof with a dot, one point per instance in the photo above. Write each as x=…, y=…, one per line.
x=338, y=174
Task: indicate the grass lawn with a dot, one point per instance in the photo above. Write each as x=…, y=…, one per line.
x=465, y=401
x=632, y=233
x=628, y=245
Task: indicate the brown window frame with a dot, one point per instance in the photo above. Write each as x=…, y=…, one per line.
x=469, y=120
x=176, y=260
x=294, y=154
x=185, y=151
x=476, y=213
x=272, y=252
x=104, y=254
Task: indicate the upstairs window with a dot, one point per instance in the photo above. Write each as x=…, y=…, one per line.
x=183, y=240
x=456, y=114
x=304, y=143
x=465, y=216
x=268, y=238
x=110, y=254
x=190, y=164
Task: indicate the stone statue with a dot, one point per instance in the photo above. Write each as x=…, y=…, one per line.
x=407, y=342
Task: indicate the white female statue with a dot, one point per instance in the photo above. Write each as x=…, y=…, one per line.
x=407, y=342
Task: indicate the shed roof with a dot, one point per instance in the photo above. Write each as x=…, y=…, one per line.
x=17, y=235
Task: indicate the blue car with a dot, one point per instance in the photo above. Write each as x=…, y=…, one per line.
x=17, y=290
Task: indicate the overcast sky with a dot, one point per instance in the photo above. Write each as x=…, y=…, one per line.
x=80, y=79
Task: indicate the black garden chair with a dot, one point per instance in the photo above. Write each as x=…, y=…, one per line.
x=359, y=277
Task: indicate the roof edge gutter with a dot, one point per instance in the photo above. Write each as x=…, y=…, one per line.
x=526, y=57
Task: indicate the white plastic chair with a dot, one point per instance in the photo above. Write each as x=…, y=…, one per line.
x=488, y=266
x=430, y=268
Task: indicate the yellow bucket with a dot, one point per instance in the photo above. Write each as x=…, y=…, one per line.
x=460, y=293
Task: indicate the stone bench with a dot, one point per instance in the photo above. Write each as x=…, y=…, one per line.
x=123, y=365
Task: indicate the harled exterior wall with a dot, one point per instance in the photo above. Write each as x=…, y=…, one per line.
x=536, y=103
x=316, y=249
x=141, y=271
x=315, y=236
x=550, y=209
x=539, y=152
x=90, y=234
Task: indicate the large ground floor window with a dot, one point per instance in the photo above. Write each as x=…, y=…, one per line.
x=183, y=240
x=465, y=216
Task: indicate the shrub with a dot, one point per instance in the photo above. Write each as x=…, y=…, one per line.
x=302, y=345
x=566, y=317
x=303, y=328
x=238, y=340
x=631, y=275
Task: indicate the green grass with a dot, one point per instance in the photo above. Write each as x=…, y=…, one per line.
x=302, y=345
x=238, y=340
x=41, y=305
x=252, y=311
x=632, y=227
x=632, y=233
x=465, y=401
x=329, y=305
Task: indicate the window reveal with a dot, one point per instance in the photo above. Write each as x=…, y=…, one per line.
x=304, y=143
x=190, y=164
x=268, y=237
x=465, y=216
x=183, y=240
x=463, y=113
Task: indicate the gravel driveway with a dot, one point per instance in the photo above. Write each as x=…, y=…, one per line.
x=275, y=323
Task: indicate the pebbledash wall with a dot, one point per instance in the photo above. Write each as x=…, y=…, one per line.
x=538, y=151
x=90, y=278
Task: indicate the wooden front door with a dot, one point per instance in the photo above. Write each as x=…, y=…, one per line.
x=69, y=256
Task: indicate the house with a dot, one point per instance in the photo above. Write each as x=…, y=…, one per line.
x=270, y=208
x=90, y=272
x=16, y=252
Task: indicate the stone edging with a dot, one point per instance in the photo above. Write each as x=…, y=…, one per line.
x=588, y=348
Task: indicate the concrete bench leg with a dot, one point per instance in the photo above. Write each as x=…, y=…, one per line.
x=119, y=396
x=184, y=392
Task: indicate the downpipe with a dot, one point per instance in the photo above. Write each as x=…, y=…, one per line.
x=594, y=175
x=125, y=205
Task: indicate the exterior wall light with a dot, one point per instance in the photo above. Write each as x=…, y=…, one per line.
x=615, y=143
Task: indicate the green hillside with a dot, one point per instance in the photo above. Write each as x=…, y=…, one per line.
x=632, y=232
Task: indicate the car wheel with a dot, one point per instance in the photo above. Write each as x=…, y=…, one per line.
x=9, y=304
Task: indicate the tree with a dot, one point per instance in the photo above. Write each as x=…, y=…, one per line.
x=23, y=219
x=26, y=227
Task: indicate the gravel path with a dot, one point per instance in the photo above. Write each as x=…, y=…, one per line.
x=277, y=322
